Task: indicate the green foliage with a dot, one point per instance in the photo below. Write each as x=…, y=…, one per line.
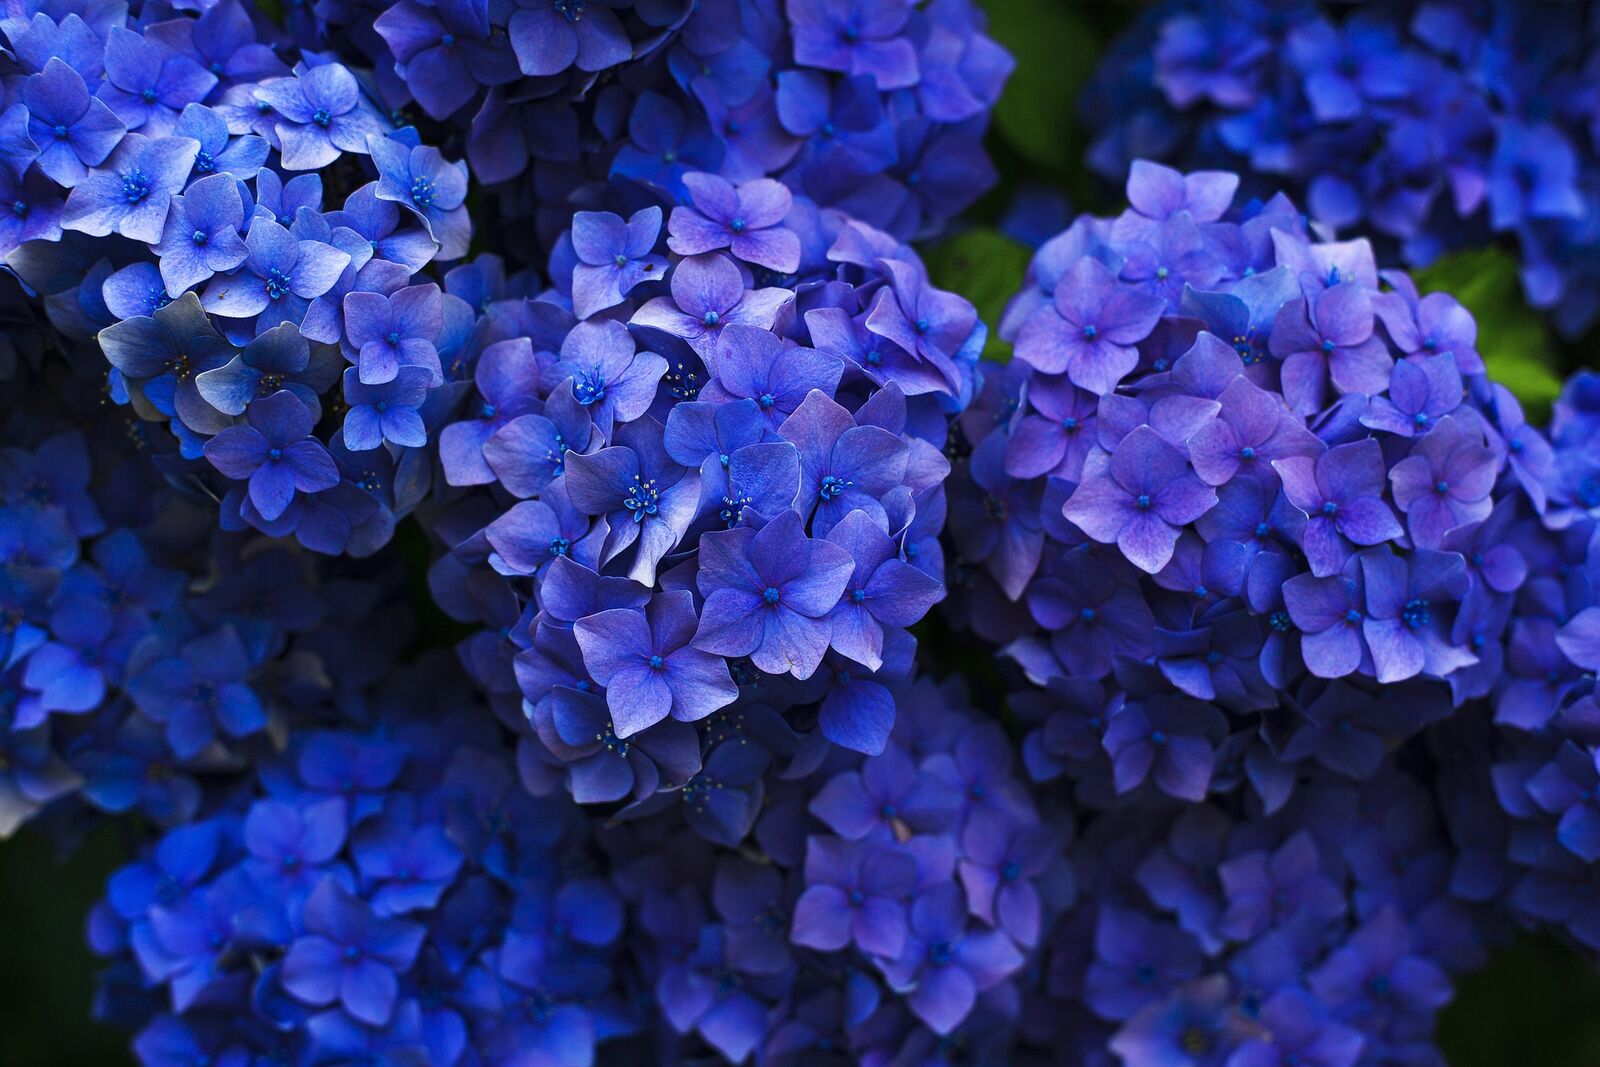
x=1513, y=338
x=986, y=267
x=1056, y=46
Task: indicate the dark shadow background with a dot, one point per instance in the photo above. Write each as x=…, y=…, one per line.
x=1536, y=1004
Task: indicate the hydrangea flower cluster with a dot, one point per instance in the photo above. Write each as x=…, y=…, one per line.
x=1295, y=611
x=247, y=243
x=874, y=107
x=1249, y=516
x=695, y=492
x=390, y=892
x=148, y=659
x=1436, y=124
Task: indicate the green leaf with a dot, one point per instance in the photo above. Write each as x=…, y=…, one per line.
x=1056, y=48
x=1513, y=337
x=986, y=267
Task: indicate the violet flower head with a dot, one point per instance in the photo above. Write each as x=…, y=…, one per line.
x=349, y=956
x=843, y=467
x=422, y=181
x=613, y=256
x=1341, y=494
x=946, y=961
x=708, y=295
x=855, y=37
x=1444, y=482
x=855, y=892
x=648, y=500
x=1326, y=341
x=130, y=192
x=746, y=219
x=769, y=594
x=614, y=381
x=275, y=453
x=549, y=36
x=648, y=667
x=73, y=131
x=320, y=116
x=200, y=237
x=279, y=278
x=1090, y=330
x=1138, y=498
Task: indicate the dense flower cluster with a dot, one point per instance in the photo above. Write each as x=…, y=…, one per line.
x=708, y=493
x=143, y=652
x=1437, y=123
x=1296, y=613
x=874, y=107
x=247, y=244
x=1248, y=515
x=391, y=893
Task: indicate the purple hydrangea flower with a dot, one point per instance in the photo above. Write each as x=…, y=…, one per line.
x=747, y=220
x=130, y=192
x=72, y=130
x=279, y=278
x=275, y=453
x=1138, y=497
x=648, y=667
x=709, y=295
x=769, y=594
x=1090, y=330
x=855, y=892
x=614, y=256
x=1341, y=494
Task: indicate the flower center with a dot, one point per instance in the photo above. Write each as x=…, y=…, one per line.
x=1416, y=614
x=832, y=488
x=423, y=190
x=643, y=498
x=1330, y=509
x=771, y=595
x=572, y=9
x=1142, y=502
x=591, y=390
x=711, y=318
x=737, y=225
x=321, y=117
x=656, y=663
x=277, y=284
x=1090, y=333
x=135, y=186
